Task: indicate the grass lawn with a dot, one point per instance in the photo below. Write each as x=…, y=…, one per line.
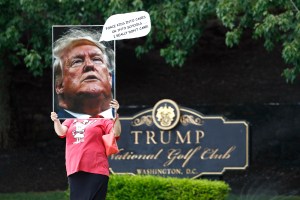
x=60, y=195
x=261, y=197
x=53, y=195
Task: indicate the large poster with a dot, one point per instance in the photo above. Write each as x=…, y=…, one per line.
x=83, y=72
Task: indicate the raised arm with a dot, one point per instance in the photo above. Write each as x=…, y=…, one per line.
x=60, y=129
x=117, y=125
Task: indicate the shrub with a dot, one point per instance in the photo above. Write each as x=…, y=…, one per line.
x=155, y=188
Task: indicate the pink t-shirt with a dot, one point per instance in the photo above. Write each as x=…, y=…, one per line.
x=85, y=150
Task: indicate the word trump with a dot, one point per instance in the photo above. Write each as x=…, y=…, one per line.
x=167, y=137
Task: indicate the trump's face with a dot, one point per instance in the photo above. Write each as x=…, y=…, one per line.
x=85, y=73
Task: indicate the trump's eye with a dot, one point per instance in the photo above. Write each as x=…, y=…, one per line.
x=76, y=62
x=97, y=60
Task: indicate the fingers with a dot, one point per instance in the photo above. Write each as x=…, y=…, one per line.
x=114, y=104
x=54, y=116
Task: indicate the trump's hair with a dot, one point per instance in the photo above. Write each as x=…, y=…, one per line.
x=73, y=37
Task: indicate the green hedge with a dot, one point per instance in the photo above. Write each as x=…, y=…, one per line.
x=152, y=187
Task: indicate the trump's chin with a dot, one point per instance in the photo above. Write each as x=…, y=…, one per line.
x=94, y=92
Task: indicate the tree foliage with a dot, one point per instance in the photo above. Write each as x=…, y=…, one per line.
x=177, y=26
x=26, y=26
x=276, y=21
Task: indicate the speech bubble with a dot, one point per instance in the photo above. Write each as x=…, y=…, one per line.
x=126, y=26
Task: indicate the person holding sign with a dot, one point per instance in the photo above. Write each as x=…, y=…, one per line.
x=86, y=160
x=83, y=83
x=83, y=70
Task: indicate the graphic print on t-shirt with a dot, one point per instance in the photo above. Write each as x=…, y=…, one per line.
x=78, y=133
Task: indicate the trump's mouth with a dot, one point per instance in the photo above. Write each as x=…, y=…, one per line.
x=91, y=78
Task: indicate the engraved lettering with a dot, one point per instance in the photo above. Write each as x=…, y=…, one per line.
x=136, y=137
x=165, y=171
x=150, y=136
x=212, y=154
x=182, y=140
x=199, y=135
x=168, y=137
x=191, y=171
x=175, y=154
x=129, y=155
x=162, y=137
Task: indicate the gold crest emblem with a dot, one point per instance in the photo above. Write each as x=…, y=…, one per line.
x=166, y=114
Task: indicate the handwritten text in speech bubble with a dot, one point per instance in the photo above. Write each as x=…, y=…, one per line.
x=126, y=26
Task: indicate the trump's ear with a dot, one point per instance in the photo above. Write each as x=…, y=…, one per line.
x=59, y=88
x=110, y=79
